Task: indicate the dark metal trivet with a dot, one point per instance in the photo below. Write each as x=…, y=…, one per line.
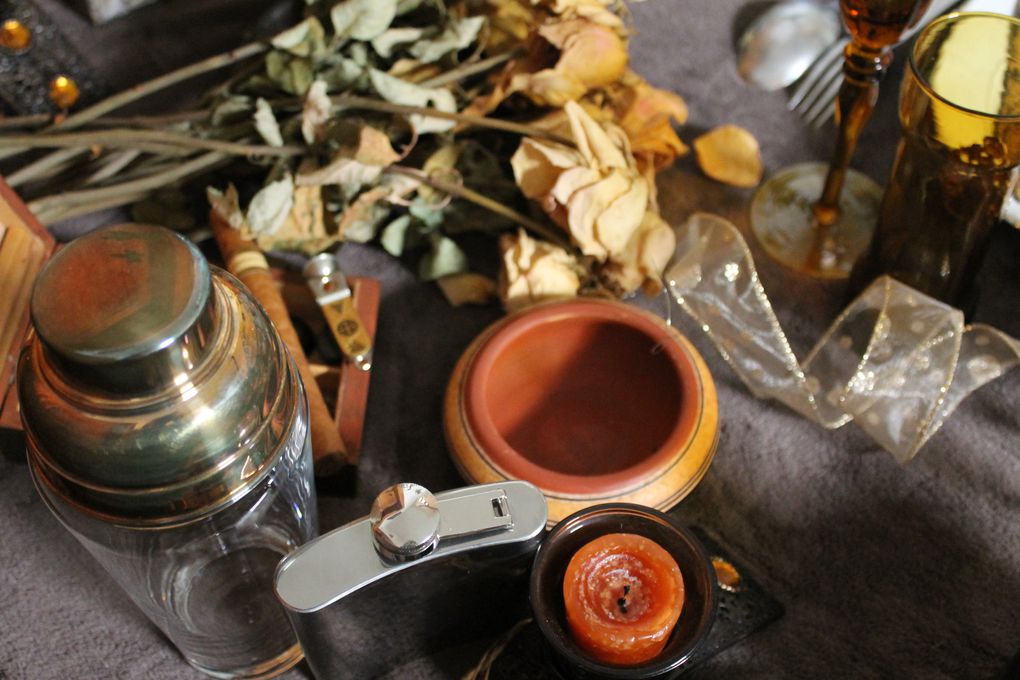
x=25, y=75
x=741, y=613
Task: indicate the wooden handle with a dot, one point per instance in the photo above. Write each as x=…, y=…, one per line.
x=245, y=261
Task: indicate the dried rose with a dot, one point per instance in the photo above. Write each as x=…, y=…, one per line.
x=646, y=114
x=597, y=193
x=535, y=271
x=591, y=55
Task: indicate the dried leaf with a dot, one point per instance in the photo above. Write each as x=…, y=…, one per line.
x=227, y=206
x=346, y=73
x=467, y=289
x=362, y=218
x=400, y=91
x=444, y=259
x=429, y=215
x=304, y=228
x=350, y=175
x=730, y=154
x=399, y=236
x=405, y=6
x=373, y=154
x=291, y=74
x=317, y=112
x=457, y=35
x=265, y=123
x=384, y=43
x=232, y=107
x=270, y=206
x=374, y=148
x=362, y=19
x=303, y=40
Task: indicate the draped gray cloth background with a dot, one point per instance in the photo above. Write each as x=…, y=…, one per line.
x=885, y=570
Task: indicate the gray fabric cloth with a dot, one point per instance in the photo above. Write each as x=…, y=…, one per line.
x=885, y=570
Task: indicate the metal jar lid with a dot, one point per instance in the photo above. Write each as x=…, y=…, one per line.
x=154, y=390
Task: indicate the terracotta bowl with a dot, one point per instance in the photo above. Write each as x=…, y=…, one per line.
x=590, y=400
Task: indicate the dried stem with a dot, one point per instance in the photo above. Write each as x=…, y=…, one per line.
x=467, y=194
x=157, y=141
x=87, y=198
x=469, y=69
x=142, y=90
x=45, y=165
x=34, y=120
x=151, y=121
x=111, y=165
x=356, y=102
x=137, y=92
x=49, y=215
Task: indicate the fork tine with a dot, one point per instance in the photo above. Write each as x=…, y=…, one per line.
x=811, y=78
x=825, y=106
x=832, y=72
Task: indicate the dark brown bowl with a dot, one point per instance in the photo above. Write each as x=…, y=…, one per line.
x=568, y=537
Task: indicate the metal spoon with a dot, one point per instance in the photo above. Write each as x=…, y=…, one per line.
x=780, y=45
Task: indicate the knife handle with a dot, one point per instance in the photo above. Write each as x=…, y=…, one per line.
x=349, y=331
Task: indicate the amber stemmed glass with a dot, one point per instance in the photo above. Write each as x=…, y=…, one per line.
x=819, y=221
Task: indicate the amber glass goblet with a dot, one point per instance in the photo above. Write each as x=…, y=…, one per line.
x=819, y=226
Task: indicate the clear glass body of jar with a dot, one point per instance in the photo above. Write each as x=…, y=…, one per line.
x=207, y=583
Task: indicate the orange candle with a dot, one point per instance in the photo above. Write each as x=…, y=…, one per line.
x=623, y=595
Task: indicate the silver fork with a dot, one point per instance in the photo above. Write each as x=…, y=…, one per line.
x=814, y=98
x=815, y=95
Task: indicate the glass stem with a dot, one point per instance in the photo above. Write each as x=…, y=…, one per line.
x=863, y=69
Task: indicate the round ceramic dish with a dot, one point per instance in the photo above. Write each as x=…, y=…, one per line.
x=592, y=401
x=546, y=590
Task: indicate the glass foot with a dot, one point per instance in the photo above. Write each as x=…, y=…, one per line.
x=783, y=222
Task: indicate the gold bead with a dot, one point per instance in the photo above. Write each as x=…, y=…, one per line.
x=14, y=35
x=64, y=92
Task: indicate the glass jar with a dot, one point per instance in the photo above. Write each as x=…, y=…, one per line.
x=168, y=431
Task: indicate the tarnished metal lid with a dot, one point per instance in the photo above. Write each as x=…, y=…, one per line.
x=155, y=389
x=125, y=308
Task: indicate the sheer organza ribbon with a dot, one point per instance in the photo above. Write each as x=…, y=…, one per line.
x=895, y=361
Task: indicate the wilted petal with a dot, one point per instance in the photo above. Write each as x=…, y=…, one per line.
x=730, y=154
x=619, y=221
x=593, y=141
x=647, y=115
x=591, y=53
x=549, y=87
x=538, y=165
